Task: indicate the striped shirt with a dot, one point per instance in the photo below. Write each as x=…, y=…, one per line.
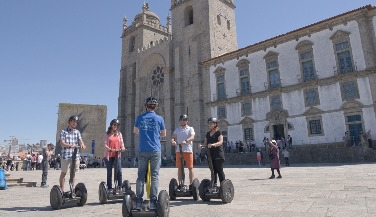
x=71, y=137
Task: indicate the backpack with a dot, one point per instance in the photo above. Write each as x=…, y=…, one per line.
x=3, y=182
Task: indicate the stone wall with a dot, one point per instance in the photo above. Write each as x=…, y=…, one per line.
x=309, y=154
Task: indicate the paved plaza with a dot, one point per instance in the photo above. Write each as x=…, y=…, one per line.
x=304, y=190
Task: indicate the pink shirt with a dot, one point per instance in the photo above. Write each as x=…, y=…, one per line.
x=106, y=144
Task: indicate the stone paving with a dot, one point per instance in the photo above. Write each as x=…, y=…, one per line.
x=304, y=191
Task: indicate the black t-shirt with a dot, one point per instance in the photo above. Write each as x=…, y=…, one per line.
x=215, y=152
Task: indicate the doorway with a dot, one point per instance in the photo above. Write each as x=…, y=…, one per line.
x=278, y=131
x=355, y=129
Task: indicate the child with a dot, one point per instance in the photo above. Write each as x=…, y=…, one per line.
x=259, y=157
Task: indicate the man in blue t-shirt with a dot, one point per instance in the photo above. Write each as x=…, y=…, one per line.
x=150, y=127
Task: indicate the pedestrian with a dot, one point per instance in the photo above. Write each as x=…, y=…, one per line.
x=129, y=162
x=369, y=138
x=286, y=155
x=275, y=164
x=112, y=142
x=28, y=162
x=151, y=128
x=184, y=135
x=347, y=139
x=259, y=157
x=70, y=138
x=33, y=162
x=135, y=161
x=9, y=163
x=46, y=154
x=289, y=141
x=58, y=162
x=214, y=140
x=39, y=161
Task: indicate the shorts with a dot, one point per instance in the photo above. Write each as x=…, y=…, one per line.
x=66, y=163
x=188, y=159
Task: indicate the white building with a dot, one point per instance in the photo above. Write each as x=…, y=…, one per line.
x=313, y=83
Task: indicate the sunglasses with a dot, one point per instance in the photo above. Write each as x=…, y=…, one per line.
x=184, y=119
x=210, y=122
x=115, y=124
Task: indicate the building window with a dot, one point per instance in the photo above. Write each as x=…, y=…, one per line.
x=273, y=78
x=271, y=60
x=305, y=52
x=342, y=51
x=221, y=112
x=158, y=76
x=132, y=42
x=315, y=127
x=248, y=133
x=221, y=89
x=219, y=19
x=228, y=25
x=307, y=66
x=344, y=57
x=349, y=91
x=275, y=103
x=189, y=15
x=243, y=68
x=311, y=97
x=246, y=108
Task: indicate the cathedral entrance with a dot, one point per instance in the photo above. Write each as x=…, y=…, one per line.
x=278, y=131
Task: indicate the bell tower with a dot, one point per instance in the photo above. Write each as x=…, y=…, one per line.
x=201, y=30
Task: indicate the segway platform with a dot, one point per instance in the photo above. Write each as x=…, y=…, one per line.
x=76, y=195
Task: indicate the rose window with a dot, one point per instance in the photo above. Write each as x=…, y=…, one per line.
x=158, y=76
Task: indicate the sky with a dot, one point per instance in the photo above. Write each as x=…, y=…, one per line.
x=69, y=51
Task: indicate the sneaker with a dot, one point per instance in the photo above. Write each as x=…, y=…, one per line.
x=279, y=177
x=110, y=190
x=272, y=177
x=153, y=205
x=44, y=185
x=138, y=205
x=190, y=187
x=178, y=188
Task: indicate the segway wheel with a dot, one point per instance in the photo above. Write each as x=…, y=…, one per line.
x=226, y=191
x=102, y=193
x=204, y=187
x=127, y=206
x=172, y=188
x=163, y=206
x=126, y=185
x=81, y=191
x=195, y=187
x=56, y=197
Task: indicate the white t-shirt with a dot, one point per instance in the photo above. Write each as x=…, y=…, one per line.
x=40, y=158
x=183, y=134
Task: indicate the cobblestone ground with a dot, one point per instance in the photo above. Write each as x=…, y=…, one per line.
x=304, y=190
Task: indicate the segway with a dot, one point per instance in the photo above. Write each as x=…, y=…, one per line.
x=76, y=195
x=183, y=190
x=105, y=193
x=129, y=201
x=208, y=190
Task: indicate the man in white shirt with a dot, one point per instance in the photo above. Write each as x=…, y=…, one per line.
x=39, y=162
x=184, y=135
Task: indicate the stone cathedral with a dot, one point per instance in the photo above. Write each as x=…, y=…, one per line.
x=313, y=83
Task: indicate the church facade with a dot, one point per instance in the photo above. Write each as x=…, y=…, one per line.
x=314, y=83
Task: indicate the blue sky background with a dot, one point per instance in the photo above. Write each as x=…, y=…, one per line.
x=68, y=51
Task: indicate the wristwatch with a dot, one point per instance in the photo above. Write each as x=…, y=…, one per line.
x=186, y=140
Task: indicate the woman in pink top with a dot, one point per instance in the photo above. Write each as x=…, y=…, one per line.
x=113, y=141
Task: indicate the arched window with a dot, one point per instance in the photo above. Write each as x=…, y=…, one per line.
x=189, y=16
x=132, y=42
